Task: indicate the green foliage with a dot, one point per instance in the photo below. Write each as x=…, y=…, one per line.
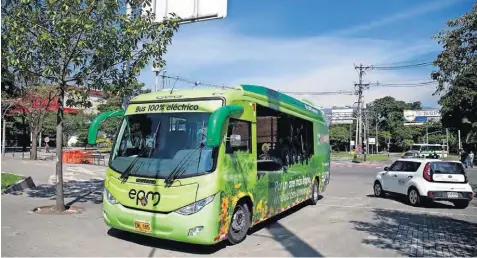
x=339, y=137
x=74, y=124
x=387, y=112
x=457, y=75
x=9, y=179
x=89, y=43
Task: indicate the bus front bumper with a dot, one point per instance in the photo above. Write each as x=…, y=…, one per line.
x=197, y=228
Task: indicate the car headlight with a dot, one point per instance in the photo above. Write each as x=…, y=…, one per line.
x=110, y=197
x=196, y=206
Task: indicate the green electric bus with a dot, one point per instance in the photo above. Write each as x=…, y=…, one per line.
x=204, y=165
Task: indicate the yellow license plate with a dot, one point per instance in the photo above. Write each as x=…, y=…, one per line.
x=142, y=226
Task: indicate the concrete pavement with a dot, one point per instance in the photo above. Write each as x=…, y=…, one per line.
x=348, y=221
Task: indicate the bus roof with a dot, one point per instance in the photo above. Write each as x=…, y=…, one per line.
x=255, y=92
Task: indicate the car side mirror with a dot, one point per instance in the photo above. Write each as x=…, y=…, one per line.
x=386, y=168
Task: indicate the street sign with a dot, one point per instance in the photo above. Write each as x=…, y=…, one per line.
x=47, y=139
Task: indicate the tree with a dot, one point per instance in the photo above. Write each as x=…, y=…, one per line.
x=34, y=105
x=89, y=43
x=340, y=136
x=457, y=75
x=387, y=112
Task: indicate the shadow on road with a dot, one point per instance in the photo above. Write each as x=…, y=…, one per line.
x=414, y=234
x=403, y=200
x=165, y=244
x=81, y=191
x=293, y=244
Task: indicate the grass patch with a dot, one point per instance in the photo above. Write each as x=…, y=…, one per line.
x=374, y=157
x=341, y=155
x=9, y=179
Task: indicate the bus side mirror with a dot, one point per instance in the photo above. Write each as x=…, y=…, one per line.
x=94, y=126
x=217, y=120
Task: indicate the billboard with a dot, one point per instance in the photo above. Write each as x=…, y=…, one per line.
x=342, y=116
x=419, y=117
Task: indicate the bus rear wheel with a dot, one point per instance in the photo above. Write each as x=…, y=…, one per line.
x=315, y=192
x=240, y=223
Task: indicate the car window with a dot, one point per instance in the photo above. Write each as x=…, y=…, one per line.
x=396, y=166
x=447, y=168
x=410, y=166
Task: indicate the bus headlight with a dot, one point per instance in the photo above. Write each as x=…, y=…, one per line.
x=109, y=197
x=196, y=206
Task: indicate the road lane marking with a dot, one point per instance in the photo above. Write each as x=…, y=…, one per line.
x=398, y=209
x=338, y=197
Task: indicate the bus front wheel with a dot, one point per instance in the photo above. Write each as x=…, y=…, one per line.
x=240, y=223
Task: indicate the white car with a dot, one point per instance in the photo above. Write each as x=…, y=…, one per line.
x=424, y=180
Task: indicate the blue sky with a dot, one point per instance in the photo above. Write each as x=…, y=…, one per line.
x=312, y=45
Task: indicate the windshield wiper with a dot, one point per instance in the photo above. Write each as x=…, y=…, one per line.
x=127, y=172
x=181, y=167
x=155, y=139
x=125, y=175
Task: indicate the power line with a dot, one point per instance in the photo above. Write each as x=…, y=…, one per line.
x=397, y=67
x=404, y=62
x=316, y=93
x=398, y=85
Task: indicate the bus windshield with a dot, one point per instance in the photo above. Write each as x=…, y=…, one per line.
x=162, y=143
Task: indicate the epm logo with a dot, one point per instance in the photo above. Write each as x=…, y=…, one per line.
x=143, y=197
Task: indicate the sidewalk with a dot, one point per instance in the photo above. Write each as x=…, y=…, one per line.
x=80, y=180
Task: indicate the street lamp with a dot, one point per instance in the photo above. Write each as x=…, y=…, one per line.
x=156, y=70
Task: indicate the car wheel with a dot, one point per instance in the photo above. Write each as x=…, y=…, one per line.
x=378, y=189
x=461, y=204
x=315, y=192
x=240, y=223
x=413, y=197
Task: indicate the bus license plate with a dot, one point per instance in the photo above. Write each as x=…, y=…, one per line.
x=142, y=226
x=452, y=194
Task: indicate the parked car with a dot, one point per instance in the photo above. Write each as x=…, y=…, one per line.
x=425, y=180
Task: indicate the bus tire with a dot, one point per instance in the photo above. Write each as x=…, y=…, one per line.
x=315, y=192
x=239, y=224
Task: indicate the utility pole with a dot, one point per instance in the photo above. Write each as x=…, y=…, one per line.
x=376, y=138
x=427, y=134
x=447, y=141
x=359, y=87
x=458, y=134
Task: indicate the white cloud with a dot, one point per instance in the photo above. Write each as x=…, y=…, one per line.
x=215, y=54
x=412, y=12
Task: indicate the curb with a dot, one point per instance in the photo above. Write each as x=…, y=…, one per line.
x=20, y=185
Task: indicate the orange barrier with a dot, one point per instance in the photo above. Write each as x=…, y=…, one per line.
x=77, y=157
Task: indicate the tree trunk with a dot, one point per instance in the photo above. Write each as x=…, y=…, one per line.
x=34, y=145
x=60, y=201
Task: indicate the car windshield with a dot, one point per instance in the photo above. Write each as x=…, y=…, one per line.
x=447, y=168
x=163, y=142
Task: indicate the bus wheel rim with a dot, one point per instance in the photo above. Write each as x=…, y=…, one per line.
x=238, y=219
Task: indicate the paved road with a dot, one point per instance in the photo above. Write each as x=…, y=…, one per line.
x=348, y=221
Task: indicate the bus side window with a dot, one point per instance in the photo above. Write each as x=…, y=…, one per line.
x=242, y=128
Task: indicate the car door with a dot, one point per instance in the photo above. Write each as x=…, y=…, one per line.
x=407, y=172
x=390, y=177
